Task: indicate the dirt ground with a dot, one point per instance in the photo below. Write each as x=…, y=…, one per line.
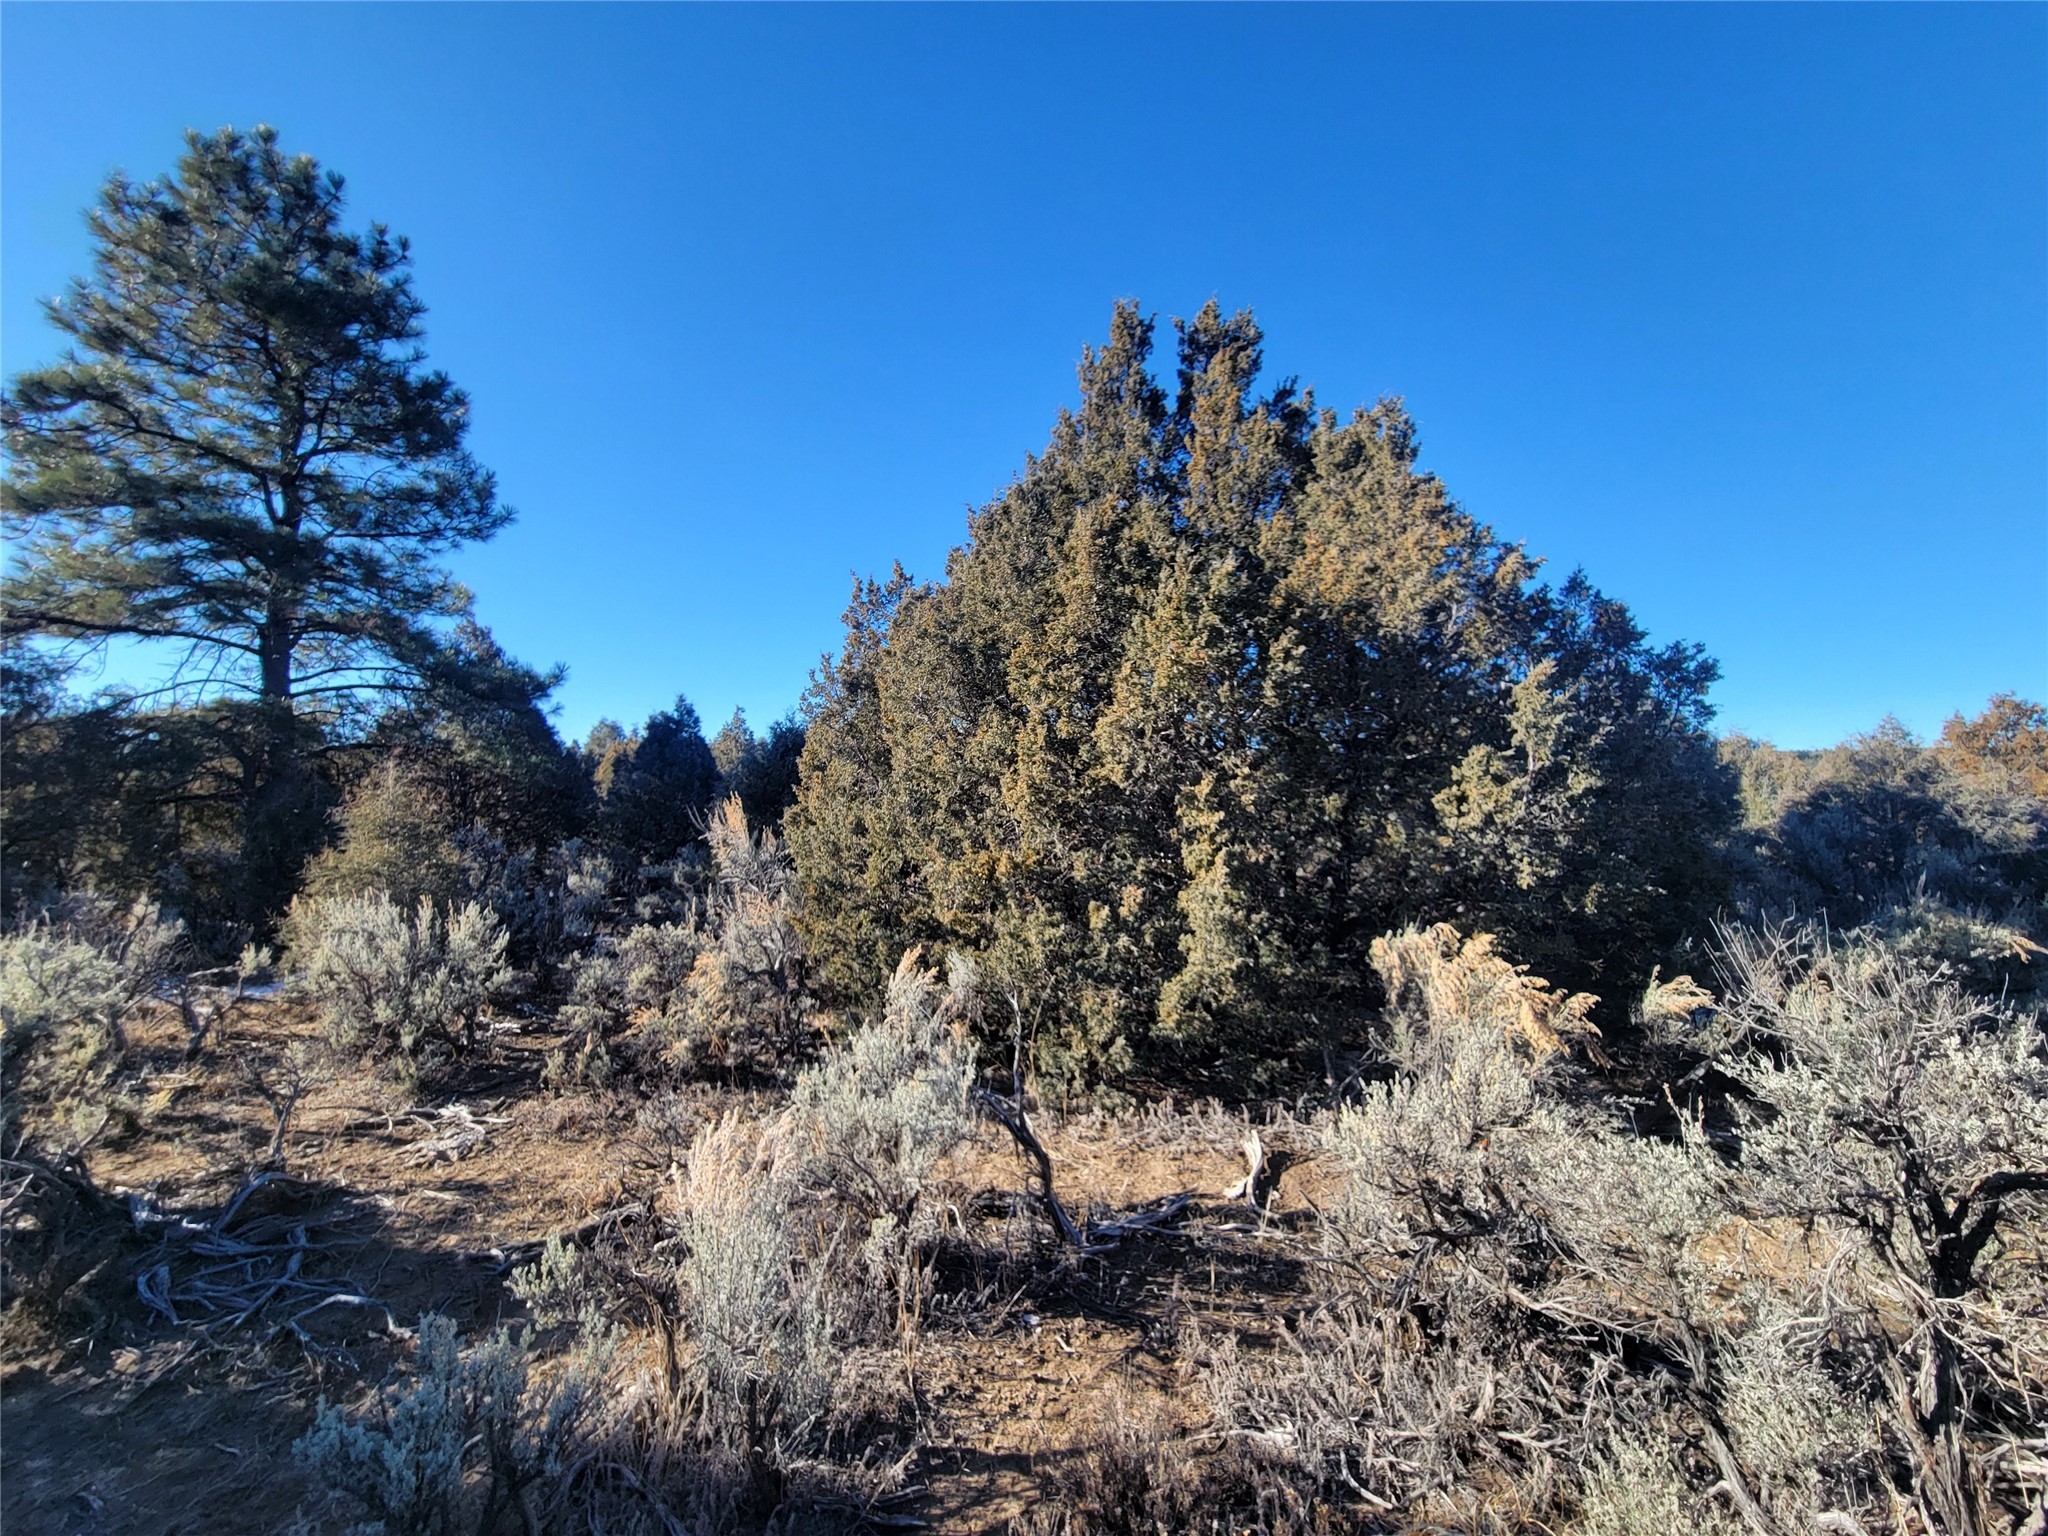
x=115, y=1419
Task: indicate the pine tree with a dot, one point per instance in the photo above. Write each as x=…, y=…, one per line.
x=243, y=456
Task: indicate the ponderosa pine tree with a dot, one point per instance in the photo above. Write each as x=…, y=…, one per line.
x=243, y=457
x=1218, y=690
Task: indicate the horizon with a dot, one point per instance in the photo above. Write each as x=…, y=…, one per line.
x=1744, y=313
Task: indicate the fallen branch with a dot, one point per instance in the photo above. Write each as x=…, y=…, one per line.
x=1102, y=1236
x=1247, y=1188
x=512, y=1255
x=1014, y=1120
x=462, y=1132
x=239, y=1272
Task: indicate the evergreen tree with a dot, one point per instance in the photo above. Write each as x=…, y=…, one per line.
x=2009, y=740
x=478, y=737
x=761, y=770
x=602, y=751
x=659, y=795
x=243, y=457
x=1218, y=690
x=1942, y=849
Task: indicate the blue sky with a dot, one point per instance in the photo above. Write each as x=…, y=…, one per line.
x=1744, y=309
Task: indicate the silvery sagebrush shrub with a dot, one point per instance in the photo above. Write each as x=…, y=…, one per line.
x=638, y=982
x=1516, y=1282
x=553, y=904
x=1632, y=1488
x=86, y=959
x=1806, y=1439
x=870, y=1122
x=758, y=1316
x=719, y=984
x=1408, y=1380
x=472, y=1432
x=411, y=983
x=1907, y=1117
x=1883, y=1094
x=747, y=994
x=69, y=979
x=655, y=962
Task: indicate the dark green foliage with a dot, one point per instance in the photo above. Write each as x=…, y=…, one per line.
x=66, y=776
x=1219, y=690
x=243, y=454
x=477, y=734
x=1611, y=735
x=242, y=458
x=658, y=788
x=99, y=794
x=848, y=836
x=761, y=770
x=394, y=835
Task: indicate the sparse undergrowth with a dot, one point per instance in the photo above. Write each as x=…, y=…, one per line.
x=1489, y=1291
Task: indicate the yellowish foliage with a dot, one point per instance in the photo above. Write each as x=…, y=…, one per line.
x=1445, y=975
x=1679, y=998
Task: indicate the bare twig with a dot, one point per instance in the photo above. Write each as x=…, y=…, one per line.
x=512, y=1255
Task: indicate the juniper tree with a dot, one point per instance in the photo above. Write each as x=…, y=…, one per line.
x=242, y=456
x=659, y=787
x=761, y=770
x=1220, y=688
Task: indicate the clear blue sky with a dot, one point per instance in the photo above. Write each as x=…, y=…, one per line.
x=1745, y=309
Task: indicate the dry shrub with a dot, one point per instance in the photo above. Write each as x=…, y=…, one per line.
x=1517, y=1288
x=760, y=976
x=1633, y=1488
x=1432, y=974
x=69, y=980
x=1907, y=1118
x=474, y=1433
x=1134, y=1478
x=411, y=985
x=1675, y=1003
x=552, y=903
x=63, y=1243
x=720, y=988
x=759, y=1276
x=869, y=1123
x=758, y=1316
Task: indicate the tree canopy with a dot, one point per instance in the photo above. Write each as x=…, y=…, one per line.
x=1221, y=688
x=242, y=457
x=243, y=453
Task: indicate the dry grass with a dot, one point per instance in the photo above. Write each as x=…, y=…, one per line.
x=1468, y=1300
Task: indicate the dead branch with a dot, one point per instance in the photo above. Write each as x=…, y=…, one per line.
x=512, y=1255
x=1247, y=1188
x=1013, y=1119
x=462, y=1132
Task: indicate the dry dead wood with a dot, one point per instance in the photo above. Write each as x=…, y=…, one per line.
x=219, y=1274
x=459, y=1132
x=1010, y=1114
x=511, y=1255
x=1247, y=1188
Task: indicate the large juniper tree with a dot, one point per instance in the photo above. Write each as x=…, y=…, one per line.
x=242, y=456
x=1219, y=689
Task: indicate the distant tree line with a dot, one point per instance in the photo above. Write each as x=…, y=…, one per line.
x=1219, y=690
